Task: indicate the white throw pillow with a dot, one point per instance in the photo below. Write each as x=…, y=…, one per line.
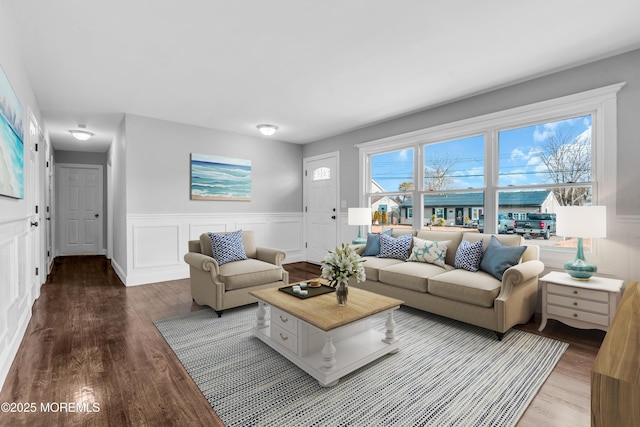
x=429, y=252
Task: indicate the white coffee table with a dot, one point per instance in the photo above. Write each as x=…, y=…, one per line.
x=323, y=339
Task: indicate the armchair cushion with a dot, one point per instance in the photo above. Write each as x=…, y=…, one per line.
x=227, y=247
x=247, y=273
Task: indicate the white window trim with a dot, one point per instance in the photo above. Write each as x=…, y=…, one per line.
x=600, y=102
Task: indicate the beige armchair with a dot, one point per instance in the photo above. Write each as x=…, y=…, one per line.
x=228, y=285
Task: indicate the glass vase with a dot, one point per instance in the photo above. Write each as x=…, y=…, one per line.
x=342, y=291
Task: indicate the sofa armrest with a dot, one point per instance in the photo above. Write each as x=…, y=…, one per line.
x=518, y=274
x=359, y=248
x=202, y=262
x=272, y=256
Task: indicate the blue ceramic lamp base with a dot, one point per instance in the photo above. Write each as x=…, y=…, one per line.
x=359, y=240
x=580, y=268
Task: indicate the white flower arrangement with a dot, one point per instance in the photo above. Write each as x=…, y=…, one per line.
x=343, y=263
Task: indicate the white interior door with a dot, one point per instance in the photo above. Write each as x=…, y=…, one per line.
x=321, y=205
x=33, y=198
x=80, y=209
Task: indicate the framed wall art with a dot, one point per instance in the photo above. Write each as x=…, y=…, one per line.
x=220, y=178
x=11, y=145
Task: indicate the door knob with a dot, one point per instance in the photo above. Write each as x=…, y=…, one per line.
x=34, y=224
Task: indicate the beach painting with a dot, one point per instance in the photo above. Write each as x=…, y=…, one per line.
x=220, y=178
x=11, y=146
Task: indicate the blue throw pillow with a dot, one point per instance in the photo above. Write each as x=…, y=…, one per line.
x=468, y=255
x=372, y=248
x=227, y=247
x=497, y=258
x=397, y=248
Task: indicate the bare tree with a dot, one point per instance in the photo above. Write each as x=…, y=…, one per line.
x=568, y=160
x=437, y=172
x=404, y=186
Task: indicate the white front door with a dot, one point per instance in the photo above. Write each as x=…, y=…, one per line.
x=80, y=209
x=321, y=205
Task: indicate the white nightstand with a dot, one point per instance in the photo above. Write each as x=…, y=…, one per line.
x=588, y=304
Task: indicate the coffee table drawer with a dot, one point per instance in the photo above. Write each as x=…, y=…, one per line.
x=284, y=320
x=285, y=338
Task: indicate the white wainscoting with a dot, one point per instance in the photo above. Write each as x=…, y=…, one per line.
x=16, y=296
x=157, y=243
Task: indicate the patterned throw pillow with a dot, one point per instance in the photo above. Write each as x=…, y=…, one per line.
x=428, y=251
x=469, y=255
x=397, y=248
x=372, y=248
x=227, y=247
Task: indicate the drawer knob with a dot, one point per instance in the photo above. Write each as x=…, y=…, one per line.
x=575, y=303
x=284, y=319
x=283, y=337
x=575, y=292
x=575, y=314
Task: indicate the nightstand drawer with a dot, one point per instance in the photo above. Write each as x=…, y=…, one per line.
x=284, y=320
x=578, y=304
x=583, y=316
x=577, y=292
x=284, y=338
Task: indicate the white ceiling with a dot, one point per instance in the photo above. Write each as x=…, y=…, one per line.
x=315, y=68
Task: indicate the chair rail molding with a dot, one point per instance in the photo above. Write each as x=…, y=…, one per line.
x=156, y=243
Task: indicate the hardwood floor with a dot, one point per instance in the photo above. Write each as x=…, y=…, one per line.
x=92, y=340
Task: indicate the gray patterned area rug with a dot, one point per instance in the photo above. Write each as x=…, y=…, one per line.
x=447, y=373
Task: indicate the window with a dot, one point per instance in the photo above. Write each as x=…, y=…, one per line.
x=321, y=174
x=454, y=164
x=499, y=168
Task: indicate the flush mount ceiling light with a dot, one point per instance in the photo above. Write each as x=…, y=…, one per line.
x=267, y=130
x=81, y=134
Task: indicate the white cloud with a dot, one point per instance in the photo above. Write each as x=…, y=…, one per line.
x=547, y=130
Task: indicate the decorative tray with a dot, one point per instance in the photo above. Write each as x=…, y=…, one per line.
x=312, y=292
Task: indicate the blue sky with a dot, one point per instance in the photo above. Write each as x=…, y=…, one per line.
x=519, y=152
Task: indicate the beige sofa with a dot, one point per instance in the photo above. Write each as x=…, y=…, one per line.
x=477, y=298
x=228, y=285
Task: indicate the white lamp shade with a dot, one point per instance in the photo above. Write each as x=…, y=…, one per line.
x=581, y=221
x=359, y=216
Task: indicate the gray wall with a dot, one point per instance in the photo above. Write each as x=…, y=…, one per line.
x=158, y=168
x=621, y=68
x=116, y=159
x=84, y=158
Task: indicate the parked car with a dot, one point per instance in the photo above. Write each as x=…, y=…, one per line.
x=537, y=225
x=505, y=224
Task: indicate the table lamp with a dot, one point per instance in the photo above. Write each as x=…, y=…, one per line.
x=359, y=217
x=581, y=221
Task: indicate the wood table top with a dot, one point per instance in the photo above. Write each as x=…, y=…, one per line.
x=322, y=311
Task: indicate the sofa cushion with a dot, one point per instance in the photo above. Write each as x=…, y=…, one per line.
x=469, y=255
x=372, y=248
x=372, y=266
x=429, y=252
x=247, y=273
x=477, y=288
x=392, y=247
x=227, y=247
x=410, y=275
x=497, y=257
